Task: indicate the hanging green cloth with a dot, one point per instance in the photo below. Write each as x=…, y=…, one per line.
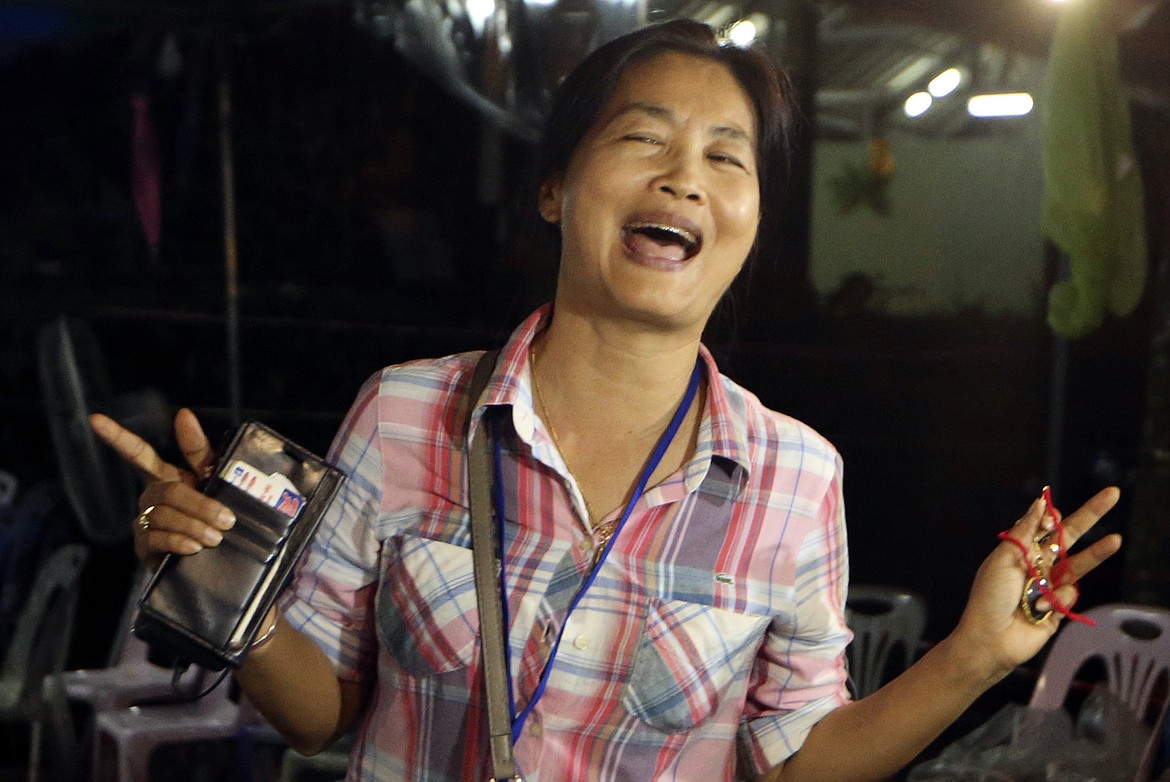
x=1093, y=204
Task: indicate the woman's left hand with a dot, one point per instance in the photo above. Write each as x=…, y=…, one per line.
x=993, y=626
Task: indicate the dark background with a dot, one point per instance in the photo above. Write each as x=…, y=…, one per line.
x=941, y=420
x=363, y=241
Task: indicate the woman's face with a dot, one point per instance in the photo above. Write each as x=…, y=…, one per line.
x=660, y=202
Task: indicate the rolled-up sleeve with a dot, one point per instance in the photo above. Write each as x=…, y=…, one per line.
x=331, y=596
x=799, y=674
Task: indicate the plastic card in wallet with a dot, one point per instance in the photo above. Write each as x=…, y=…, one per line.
x=207, y=608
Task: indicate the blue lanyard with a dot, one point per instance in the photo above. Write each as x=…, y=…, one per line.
x=664, y=441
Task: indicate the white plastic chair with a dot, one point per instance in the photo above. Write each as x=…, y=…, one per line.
x=130, y=677
x=1133, y=642
x=125, y=738
x=38, y=648
x=1154, y=747
x=332, y=762
x=883, y=619
x=132, y=680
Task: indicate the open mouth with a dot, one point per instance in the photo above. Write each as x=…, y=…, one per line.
x=662, y=240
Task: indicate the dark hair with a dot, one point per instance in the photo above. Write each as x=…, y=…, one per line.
x=582, y=96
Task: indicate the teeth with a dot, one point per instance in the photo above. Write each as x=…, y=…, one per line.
x=686, y=236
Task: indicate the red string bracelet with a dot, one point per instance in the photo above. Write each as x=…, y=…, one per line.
x=1060, y=569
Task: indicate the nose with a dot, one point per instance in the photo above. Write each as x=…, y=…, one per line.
x=680, y=190
x=682, y=179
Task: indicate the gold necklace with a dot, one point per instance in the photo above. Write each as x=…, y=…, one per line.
x=604, y=531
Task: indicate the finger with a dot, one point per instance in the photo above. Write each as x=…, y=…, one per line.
x=150, y=545
x=172, y=530
x=176, y=498
x=1067, y=595
x=194, y=443
x=1083, y=519
x=1025, y=530
x=136, y=451
x=1084, y=562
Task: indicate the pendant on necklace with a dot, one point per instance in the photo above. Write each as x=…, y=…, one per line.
x=604, y=533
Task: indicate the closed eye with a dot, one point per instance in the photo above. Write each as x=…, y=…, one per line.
x=641, y=137
x=723, y=157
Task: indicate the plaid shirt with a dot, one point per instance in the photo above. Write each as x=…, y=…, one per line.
x=715, y=627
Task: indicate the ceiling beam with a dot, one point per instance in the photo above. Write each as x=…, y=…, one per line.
x=1027, y=26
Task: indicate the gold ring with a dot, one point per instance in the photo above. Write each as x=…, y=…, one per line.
x=1032, y=593
x=143, y=519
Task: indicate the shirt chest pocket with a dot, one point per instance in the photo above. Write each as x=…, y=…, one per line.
x=427, y=617
x=688, y=659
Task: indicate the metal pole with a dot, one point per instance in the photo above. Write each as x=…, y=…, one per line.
x=230, y=253
x=1057, y=395
x=1057, y=392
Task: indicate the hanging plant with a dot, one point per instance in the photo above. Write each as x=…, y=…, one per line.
x=866, y=185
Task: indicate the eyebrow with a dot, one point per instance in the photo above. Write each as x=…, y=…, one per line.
x=730, y=132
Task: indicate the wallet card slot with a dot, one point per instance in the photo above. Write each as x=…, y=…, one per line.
x=248, y=506
x=261, y=533
x=246, y=544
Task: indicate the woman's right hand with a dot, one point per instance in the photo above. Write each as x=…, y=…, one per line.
x=181, y=520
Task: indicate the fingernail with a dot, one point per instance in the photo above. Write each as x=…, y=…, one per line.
x=225, y=519
x=212, y=537
x=190, y=547
x=1043, y=605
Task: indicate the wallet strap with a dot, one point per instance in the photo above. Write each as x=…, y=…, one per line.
x=487, y=571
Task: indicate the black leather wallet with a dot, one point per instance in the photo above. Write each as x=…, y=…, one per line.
x=207, y=608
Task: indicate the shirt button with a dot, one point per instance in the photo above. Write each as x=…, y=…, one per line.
x=534, y=730
x=581, y=642
x=586, y=544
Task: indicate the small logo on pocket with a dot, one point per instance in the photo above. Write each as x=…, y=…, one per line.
x=723, y=578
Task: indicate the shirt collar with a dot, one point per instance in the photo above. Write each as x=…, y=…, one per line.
x=723, y=432
x=511, y=380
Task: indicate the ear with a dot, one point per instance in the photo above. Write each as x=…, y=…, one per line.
x=549, y=201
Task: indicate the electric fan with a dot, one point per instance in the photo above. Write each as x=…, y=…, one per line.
x=74, y=382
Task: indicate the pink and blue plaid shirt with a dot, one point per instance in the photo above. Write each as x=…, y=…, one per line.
x=714, y=629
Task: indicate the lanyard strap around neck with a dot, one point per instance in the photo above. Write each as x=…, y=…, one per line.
x=664, y=441
x=493, y=637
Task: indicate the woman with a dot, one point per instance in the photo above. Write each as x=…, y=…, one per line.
x=671, y=633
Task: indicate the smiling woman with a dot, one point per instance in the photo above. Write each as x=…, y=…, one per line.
x=686, y=543
x=659, y=204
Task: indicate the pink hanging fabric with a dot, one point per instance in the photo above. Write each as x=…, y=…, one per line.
x=144, y=177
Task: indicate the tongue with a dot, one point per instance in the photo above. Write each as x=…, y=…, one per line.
x=644, y=245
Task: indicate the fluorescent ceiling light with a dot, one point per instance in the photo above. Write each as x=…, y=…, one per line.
x=913, y=73
x=478, y=12
x=1008, y=104
x=742, y=33
x=945, y=83
x=917, y=104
